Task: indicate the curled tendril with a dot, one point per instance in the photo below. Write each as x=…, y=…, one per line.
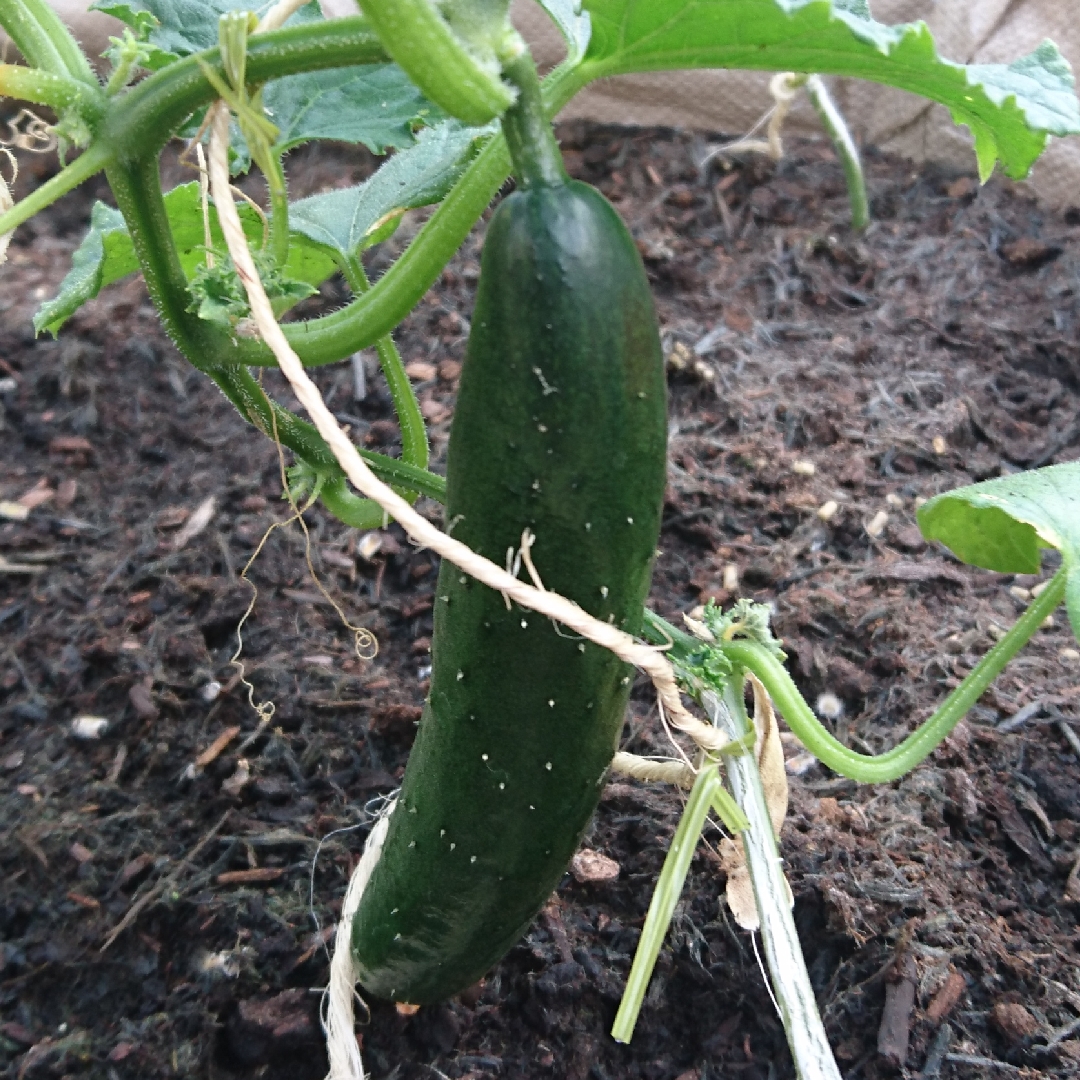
x=29, y=132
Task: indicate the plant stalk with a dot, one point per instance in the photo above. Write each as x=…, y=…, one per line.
x=142, y=120
x=880, y=768
x=257, y=407
x=836, y=127
x=44, y=40
x=277, y=189
x=90, y=162
x=369, y=316
x=793, y=994
x=414, y=440
x=431, y=54
x=58, y=92
x=665, y=896
x=533, y=150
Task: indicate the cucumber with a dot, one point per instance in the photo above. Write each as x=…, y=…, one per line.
x=559, y=428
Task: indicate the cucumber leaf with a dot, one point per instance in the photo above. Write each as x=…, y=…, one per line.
x=349, y=220
x=1002, y=524
x=1010, y=109
x=176, y=28
x=107, y=253
x=573, y=24
x=373, y=104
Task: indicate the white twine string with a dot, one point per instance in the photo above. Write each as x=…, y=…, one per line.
x=650, y=769
x=344, y=1056
x=339, y=1021
x=279, y=14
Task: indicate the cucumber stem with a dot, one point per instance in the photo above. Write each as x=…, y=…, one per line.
x=533, y=149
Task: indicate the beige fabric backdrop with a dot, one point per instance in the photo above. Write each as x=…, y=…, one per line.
x=967, y=31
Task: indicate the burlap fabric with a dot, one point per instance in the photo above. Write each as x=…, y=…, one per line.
x=983, y=31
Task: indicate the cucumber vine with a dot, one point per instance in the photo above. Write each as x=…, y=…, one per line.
x=445, y=71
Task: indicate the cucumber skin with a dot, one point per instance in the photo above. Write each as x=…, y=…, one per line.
x=522, y=722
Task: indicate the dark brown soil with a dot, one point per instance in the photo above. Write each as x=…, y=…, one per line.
x=938, y=349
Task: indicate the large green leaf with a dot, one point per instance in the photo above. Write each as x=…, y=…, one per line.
x=350, y=219
x=1009, y=109
x=178, y=28
x=107, y=253
x=1002, y=524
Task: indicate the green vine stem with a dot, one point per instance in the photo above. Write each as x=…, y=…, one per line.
x=527, y=129
x=879, y=768
x=137, y=188
x=373, y=314
x=836, y=127
x=58, y=92
x=664, y=898
x=277, y=189
x=253, y=403
x=44, y=40
x=421, y=41
x=181, y=88
x=414, y=440
x=141, y=121
x=87, y=164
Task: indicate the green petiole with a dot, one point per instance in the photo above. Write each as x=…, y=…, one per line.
x=58, y=92
x=879, y=768
x=87, y=164
x=414, y=441
x=44, y=41
x=450, y=74
x=252, y=402
x=836, y=127
x=703, y=796
x=369, y=316
x=745, y=655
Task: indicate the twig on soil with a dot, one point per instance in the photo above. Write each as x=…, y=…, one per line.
x=152, y=894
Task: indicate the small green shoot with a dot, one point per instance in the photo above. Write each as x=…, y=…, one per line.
x=704, y=796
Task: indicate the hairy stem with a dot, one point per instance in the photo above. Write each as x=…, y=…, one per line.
x=664, y=898
x=414, y=441
x=278, y=191
x=422, y=42
x=879, y=768
x=137, y=188
x=373, y=314
x=255, y=406
x=527, y=129
x=44, y=40
x=87, y=164
x=143, y=119
x=833, y=122
x=58, y=92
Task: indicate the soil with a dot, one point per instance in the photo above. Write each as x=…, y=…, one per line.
x=170, y=882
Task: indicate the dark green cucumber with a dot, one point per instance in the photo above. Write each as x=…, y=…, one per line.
x=559, y=428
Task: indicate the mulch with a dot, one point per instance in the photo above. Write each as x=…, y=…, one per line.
x=807, y=366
